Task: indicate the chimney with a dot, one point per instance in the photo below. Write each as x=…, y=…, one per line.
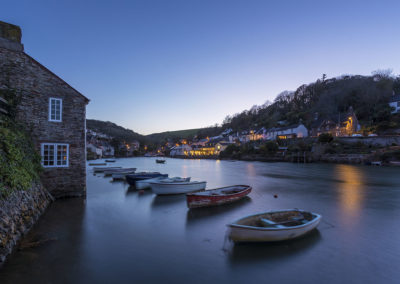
x=10, y=37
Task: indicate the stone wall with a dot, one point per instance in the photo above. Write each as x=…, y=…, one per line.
x=18, y=212
x=374, y=141
x=37, y=85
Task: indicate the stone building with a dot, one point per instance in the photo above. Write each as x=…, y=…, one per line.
x=54, y=113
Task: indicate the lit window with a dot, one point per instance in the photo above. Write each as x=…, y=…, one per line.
x=55, y=109
x=55, y=155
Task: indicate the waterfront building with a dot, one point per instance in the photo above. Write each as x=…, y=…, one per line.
x=52, y=111
x=287, y=132
x=180, y=150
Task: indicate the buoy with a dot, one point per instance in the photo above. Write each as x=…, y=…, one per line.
x=275, y=195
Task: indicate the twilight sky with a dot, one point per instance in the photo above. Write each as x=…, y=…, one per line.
x=158, y=65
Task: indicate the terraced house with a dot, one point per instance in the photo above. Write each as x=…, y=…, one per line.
x=53, y=112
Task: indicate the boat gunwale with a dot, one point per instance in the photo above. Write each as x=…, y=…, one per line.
x=198, y=194
x=238, y=226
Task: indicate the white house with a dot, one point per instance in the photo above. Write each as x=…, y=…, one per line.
x=94, y=149
x=292, y=131
x=395, y=103
x=181, y=150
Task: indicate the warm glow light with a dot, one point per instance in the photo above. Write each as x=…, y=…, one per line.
x=350, y=190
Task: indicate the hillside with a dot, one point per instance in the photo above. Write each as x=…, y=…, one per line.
x=111, y=129
x=368, y=95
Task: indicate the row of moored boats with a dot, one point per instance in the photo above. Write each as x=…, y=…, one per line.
x=268, y=226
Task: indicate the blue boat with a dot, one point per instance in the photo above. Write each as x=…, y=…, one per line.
x=131, y=179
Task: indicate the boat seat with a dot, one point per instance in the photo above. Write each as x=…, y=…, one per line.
x=269, y=223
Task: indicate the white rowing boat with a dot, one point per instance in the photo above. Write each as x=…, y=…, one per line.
x=142, y=184
x=170, y=187
x=273, y=226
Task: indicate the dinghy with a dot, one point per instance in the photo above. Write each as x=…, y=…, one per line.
x=142, y=184
x=217, y=196
x=273, y=226
x=121, y=175
x=97, y=164
x=131, y=179
x=170, y=187
x=120, y=170
x=102, y=169
x=160, y=161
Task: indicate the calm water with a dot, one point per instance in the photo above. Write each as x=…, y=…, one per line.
x=118, y=235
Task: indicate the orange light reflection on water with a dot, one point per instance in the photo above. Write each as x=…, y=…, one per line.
x=351, y=192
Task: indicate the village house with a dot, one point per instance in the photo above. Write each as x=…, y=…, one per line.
x=287, y=132
x=53, y=112
x=395, y=103
x=180, y=150
x=97, y=152
x=344, y=124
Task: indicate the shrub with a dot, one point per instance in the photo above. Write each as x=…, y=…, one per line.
x=19, y=161
x=325, y=138
x=269, y=148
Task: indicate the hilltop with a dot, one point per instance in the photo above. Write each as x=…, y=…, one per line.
x=115, y=131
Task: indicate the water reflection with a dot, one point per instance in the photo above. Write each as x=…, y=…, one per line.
x=198, y=214
x=165, y=200
x=258, y=252
x=351, y=191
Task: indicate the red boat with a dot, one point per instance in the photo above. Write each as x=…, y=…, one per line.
x=217, y=196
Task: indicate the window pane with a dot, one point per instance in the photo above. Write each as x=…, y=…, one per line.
x=61, y=155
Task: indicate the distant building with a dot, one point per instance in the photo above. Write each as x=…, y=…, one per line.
x=395, y=103
x=180, y=151
x=344, y=124
x=98, y=152
x=53, y=112
x=287, y=132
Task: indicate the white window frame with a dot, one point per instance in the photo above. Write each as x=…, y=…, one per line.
x=54, y=155
x=55, y=99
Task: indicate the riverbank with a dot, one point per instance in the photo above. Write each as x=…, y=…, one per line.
x=19, y=211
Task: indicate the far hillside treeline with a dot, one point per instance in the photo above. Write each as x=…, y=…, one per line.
x=368, y=95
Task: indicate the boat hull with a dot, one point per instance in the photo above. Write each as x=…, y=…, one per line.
x=131, y=179
x=240, y=233
x=160, y=188
x=102, y=169
x=197, y=200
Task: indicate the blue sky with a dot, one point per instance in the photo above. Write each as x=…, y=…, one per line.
x=158, y=65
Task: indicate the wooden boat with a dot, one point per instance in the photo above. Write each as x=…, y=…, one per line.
x=120, y=170
x=170, y=187
x=110, y=160
x=102, y=169
x=217, y=196
x=142, y=184
x=121, y=175
x=97, y=164
x=160, y=161
x=273, y=226
x=131, y=179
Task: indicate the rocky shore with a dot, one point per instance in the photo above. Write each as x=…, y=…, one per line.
x=18, y=213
